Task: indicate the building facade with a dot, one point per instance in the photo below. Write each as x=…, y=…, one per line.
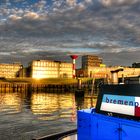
x=10, y=70
x=50, y=69
x=92, y=67
x=105, y=72
x=91, y=61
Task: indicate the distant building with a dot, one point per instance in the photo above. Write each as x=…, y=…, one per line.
x=105, y=72
x=91, y=61
x=81, y=73
x=92, y=66
x=10, y=70
x=136, y=65
x=50, y=69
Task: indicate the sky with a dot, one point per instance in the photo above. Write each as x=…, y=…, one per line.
x=56, y=29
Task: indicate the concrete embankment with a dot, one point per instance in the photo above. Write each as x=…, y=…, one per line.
x=45, y=85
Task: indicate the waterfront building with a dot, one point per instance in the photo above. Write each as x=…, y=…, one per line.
x=92, y=67
x=105, y=72
x=10, y=70
x=91, y=61
x=50, y=69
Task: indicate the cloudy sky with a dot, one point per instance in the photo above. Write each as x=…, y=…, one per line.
x=55, y=29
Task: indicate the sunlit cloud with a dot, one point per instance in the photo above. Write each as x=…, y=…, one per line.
x=14, y=17
x=42, y=29
x=31, y=16
x=71, y=2
x=117, y=2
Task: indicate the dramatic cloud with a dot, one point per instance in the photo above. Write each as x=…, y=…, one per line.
x=71, y=2
x=31, y=16
x=14, y=17
x=46, y=29
x=117, y=2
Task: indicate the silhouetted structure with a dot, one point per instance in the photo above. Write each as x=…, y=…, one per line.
x=136, y=65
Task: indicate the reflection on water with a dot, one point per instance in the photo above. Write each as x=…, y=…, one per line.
x=33, y=115
x=44, y=103
x=90, y=102
x=10, y=103
x=54, y=105
x=85, y=102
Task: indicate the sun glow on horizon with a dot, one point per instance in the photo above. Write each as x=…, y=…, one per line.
x=38, y=75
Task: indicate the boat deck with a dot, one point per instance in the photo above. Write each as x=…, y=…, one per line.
x=66, y=135
x=71, y=137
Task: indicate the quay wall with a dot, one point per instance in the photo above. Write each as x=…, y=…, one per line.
x=44, y=86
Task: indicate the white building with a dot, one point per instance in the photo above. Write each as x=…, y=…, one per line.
x=50, y=69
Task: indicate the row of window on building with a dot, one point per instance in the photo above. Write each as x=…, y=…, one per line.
x=46, y=63
x=50, y=69
x=37, y=69
x=54, y=69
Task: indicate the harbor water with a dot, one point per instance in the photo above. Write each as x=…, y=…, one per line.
x=26, y=116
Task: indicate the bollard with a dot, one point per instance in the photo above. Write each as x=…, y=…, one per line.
x=115, y=76
x=79, y=83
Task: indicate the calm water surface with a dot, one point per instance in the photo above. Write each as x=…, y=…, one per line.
x=24, y=116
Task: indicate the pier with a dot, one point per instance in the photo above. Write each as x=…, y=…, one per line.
x=85, y=85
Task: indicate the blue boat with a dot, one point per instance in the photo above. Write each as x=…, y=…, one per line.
x=116, y=116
